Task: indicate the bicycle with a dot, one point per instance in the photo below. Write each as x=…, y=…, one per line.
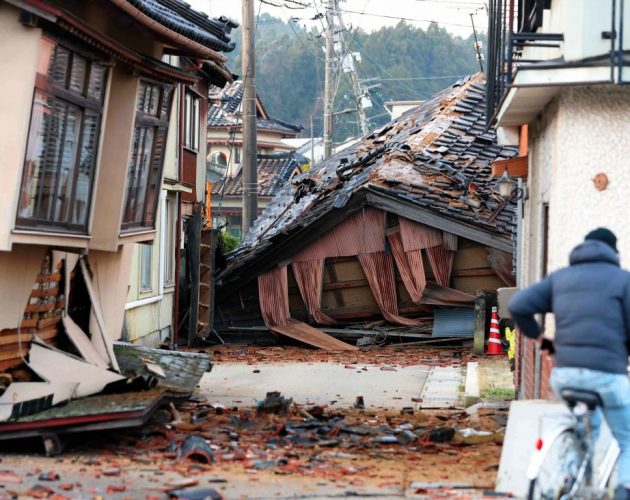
x=562, y=466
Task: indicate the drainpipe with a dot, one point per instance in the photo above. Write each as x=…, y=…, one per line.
x=178, y=225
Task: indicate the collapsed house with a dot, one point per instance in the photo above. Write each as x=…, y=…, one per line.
x=86, y=105
x=403, y=228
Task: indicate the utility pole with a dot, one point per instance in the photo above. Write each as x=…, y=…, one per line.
x=477, y=43
x=248, y=69
x=358, y=95
x=312, y=145
x=331, y=8
x=349, y=66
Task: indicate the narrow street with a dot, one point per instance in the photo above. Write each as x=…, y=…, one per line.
x=322, y=447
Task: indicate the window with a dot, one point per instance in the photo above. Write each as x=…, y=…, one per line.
x=237, y=156
x=170, y=232
x=191, y=121
x=146, y=265
x=219, y=159
x=147, y=156
x=63, y=137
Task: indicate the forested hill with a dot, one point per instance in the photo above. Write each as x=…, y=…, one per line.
x=408, y=63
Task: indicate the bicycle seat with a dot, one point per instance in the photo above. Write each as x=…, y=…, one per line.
x=574, y=396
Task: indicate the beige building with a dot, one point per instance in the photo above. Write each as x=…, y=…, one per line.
x=567, y=106
x=225, y=144
x=153, y=301
x=86, y=121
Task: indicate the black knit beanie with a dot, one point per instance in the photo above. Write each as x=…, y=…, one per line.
x=603, y=234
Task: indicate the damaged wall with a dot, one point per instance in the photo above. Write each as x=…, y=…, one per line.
x=346, y=295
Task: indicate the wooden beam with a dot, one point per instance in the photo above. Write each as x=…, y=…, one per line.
x=332, y=274
x=523, y=145
x=479, y=337
x=469, y=273
x=417, y=214
x=516, y=167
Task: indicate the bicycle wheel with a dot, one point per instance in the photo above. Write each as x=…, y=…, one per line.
x=559, y=469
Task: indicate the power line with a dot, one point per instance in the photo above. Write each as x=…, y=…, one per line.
x=455, y=3
x=445, y=77
x=400, y=18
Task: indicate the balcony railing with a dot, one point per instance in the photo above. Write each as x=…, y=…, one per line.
x=512, y=29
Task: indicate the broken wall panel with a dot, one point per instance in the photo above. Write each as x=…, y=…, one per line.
x=57, y=366
x=111, y=271
x=41, y=313
x=309, y=276
x=361, y=232
x=309, y=335
x=18, y=273
x=502, y=264
x=273, y=289
x=379, y=269
x=409, y=266
x=441, y=259
x=416, y=236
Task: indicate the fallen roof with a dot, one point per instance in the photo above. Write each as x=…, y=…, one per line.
x=225, y=111
x=273, y=172
x=182, y=19
x=431, y=165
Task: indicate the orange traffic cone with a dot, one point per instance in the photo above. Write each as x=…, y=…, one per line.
x=494, y=342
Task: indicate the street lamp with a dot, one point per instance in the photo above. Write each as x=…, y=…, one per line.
x=508, y=188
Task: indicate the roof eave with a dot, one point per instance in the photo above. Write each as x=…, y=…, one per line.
x=196, y=49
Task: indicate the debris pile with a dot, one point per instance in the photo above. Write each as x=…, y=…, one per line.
x=377, y=355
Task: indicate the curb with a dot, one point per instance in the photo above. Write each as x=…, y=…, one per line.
x=471, y=388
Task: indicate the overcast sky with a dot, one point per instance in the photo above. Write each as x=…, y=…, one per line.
x=370, y=15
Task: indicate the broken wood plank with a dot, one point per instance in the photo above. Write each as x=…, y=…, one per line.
x=83, y=343
x=98, y=315
x=516, y=167
x=26, y=337
x=10, y=363
x=309, y=335
x=333, y=280
x=43, y=278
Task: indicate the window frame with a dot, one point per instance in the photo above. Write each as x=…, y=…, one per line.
x=192, y=124
x=145, y=258
x=158, y=124
x=170, y=232
x=46, y=86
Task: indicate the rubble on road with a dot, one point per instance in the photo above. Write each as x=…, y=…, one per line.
x=350, y=446
x=386, y=356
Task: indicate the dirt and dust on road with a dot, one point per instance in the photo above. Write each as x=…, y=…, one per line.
x=285, y=444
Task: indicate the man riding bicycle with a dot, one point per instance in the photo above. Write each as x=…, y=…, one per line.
x=590, y=300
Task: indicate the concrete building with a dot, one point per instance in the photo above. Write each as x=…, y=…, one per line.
x=85, y=122
x=563, y=100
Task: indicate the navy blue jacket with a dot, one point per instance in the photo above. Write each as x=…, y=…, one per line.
x=590, y=300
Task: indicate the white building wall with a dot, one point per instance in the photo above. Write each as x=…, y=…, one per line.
x=592, y=136
x=149, y=313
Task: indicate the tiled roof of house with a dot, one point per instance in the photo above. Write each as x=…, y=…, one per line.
x=197, y=26
x=225, y=111
x=273, y=172
x=435, y=159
